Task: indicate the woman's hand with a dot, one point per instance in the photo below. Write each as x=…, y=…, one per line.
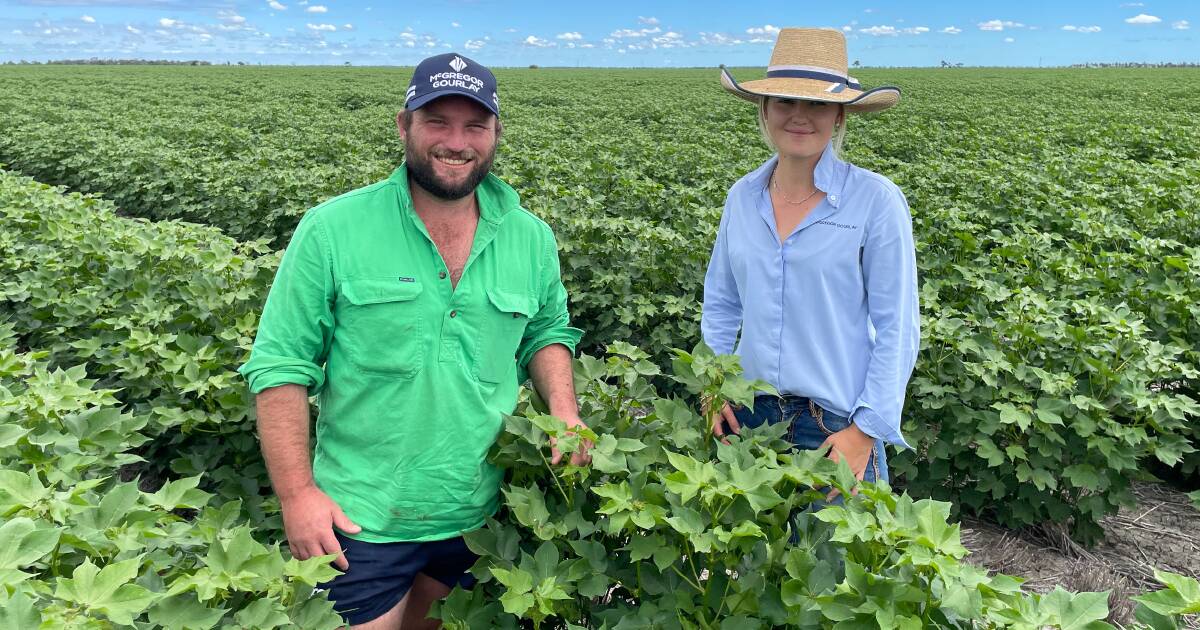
x=855, y=447
x=726, y=415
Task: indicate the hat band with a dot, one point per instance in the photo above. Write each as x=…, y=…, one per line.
x=813, y=74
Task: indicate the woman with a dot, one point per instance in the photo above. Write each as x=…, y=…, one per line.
x=814, y=263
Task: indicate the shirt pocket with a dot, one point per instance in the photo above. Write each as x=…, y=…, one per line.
x=380, y=326
x=507, y=313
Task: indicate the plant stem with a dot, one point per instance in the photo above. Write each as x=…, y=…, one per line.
x=554, y=476
x=685, y=579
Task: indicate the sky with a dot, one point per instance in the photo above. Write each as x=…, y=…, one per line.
x=703, y=33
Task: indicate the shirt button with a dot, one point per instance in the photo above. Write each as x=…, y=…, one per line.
x=833, y=197
x=442, y=275
x=516, y=315
x=453, y=314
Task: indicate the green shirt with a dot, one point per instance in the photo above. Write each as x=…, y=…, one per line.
x=412, y=375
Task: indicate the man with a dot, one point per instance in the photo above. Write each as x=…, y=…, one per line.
x=413, y=308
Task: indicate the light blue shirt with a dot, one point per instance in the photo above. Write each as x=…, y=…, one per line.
x=831, y=313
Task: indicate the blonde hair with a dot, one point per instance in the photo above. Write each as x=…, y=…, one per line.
x=839, y=133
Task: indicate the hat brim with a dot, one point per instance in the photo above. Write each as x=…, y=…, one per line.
x=856, y=101
x=425, y=99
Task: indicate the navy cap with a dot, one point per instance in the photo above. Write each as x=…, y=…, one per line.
x=449, y=74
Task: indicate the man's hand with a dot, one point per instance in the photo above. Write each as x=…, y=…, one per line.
x=309, y=517
x=855, y=447
x=580, y=457
x=728, y=417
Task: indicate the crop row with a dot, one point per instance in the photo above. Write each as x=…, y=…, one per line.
x=1057, y=232
x=648, y=536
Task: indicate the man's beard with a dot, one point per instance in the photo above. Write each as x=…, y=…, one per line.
x=420, y=167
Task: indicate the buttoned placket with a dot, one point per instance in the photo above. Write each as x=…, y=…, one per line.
x=821, y=211
x=454, y=297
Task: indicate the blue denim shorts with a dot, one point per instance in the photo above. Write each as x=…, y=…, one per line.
x=381, y=574
x=808, y=426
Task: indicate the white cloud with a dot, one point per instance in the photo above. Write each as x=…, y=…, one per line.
x=718, y=39
x=648, y=21
x=1142, y=18
x=892, y=31
x=317, y=8
x=951, y=30
x=89, y=19
x=274, y=4
x=232, y=18
x=510, y=30
x=133, y=30
x=587, y=45
x=1133, y=4
x=763, y=30
x=1009, y=40
x=628, y=32
x=847, y=28
x=877, y=31
x=538, y=42
x=670, y=39
x=474, y=44
x=1081, y=29
x=321, y=27
x=999, y=25
x=1181, y=25
x=455, y=24
x=168, y=22
x=348, y=27
x=569, y=36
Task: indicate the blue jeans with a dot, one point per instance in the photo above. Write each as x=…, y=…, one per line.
x=808, y=426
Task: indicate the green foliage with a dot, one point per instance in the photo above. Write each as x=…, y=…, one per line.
x=159, y=313
x=1057, y=236
x=1059, y=250
x=1164, y=608
x=80, y=548
x=670, y=529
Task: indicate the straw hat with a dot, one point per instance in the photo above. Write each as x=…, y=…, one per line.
x=810, y=64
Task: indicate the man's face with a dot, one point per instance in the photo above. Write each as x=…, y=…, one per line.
x=449, y=145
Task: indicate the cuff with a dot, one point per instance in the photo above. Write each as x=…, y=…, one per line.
x=264, y=372
x=875, y=426
x=566, y=336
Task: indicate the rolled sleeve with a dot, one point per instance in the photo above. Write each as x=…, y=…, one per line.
x=721, y=314
x=551, y=323
x=297, y=322
x=890, y=275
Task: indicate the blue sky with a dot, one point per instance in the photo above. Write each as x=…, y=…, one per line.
x=608, y=33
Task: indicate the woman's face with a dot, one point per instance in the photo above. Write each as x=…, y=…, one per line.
x=801, y=129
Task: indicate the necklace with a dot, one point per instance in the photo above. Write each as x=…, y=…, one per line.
x=775, y=185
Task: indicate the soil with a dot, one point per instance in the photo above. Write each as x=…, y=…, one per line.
x=1162, y=532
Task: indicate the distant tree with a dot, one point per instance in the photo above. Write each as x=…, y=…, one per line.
x=857, y=64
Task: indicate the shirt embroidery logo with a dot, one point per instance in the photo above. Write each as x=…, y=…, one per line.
x=407, y=279
x=458, y=64
x=843, y=226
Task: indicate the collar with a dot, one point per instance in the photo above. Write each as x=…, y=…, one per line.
x=829, y=176
x=495, y=197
